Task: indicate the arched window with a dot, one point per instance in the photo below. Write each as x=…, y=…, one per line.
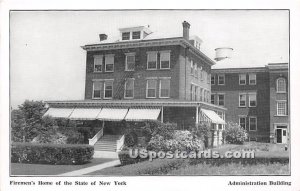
x=281, y=85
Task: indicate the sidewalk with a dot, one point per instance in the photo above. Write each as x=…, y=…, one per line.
x=91, y=169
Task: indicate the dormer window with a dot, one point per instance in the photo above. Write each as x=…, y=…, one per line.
x=125, y=35
x=136, y=35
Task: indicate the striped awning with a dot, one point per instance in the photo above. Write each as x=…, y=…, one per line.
x=59, y=112
x=212, y=116
x=112, y=114
x=85, y=113
x=142, y=114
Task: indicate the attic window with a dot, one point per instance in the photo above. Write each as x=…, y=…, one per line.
x=136, y=35
x=125, y=35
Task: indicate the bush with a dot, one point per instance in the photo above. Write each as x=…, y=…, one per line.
x=203, y=131
x=131, y=139
x=181, y=141
x=234, y=134
x=51, y=153
x=125, y=158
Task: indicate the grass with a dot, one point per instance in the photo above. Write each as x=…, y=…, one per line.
x=233, y=169
x=46, y=169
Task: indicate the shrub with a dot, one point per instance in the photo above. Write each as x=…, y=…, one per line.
x=203, y=131
x=125, y=158
x=234, y=134
x=181, y=141
x=131, y=139
x=51, y=153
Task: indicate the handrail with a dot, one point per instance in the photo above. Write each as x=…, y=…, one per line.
x=98, y=135
x=120, y=143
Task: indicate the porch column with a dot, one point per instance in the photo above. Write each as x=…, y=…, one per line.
x=162, y=114
x=197, y=115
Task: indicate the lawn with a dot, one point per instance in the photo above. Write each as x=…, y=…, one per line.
x=46, y=169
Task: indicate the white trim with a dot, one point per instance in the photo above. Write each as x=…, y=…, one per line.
x=93, y=97
x=250, y=123
x=240, y=79
x=223, y=75
x=219, y=100
x=252, y=93
x=281, y=101
x=113, y=56
x=240, y=99
x=126, y=55
x=148, y=53
x=252, y=74
x=125, y=85
x=147, y=88
x=98, y=57
x=101, y=80
x=160, y=87
x=165, y=51
x=280, y=78
x=244, y=117
x=112, y=90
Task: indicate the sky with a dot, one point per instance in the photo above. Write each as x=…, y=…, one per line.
x=47, y=62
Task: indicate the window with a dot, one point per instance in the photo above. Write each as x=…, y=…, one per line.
x=281, y=108
x=192, y=67
x=252, y=124
x=242, y=122
x=242, y=100
x=109, y=63
x=125, y=35
x=129, y=88
x=252, y=99
x=97, y=89
x=221, y=99
x=242, y=79
x=212, y=99
x=98, y=59
x=164, y=60
x=151, y=88
x=252, y=79
x=130, y=62
x=108, y=89
x=221, y=80
x=164, y=88
x=212, y=80
x=281, y=85
x=151, y=60
x=136, y=35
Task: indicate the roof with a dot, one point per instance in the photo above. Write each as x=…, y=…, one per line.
x=235, y=62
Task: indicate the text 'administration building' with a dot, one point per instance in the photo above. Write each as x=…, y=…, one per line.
x=256, y=97
x=143, y=76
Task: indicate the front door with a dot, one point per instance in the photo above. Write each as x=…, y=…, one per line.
x=281, y=134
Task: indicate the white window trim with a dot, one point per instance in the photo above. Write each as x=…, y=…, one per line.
x=213, y=76
x=130, y=33
x=250, y=123
x=277, y=91
x=98, y=56
x=252, y=93
x=219, y=100
x=112, y=89
x=250, y=79
x=164, y=78
x=147, y=87
x=125, y=89
x=110, y=55
x=93, y=97
x=281, y=101
x=148, y=53
x=240, y=99
x=165, y=51
x=129, y=54
x=223, y=75
x=240, y=79
x=245, y=117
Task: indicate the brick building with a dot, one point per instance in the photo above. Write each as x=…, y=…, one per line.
x=256, y=97
x=142, y=76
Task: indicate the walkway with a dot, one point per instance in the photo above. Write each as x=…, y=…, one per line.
x=91, y=169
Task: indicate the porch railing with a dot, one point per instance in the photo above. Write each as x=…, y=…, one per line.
x=94, y=140
x=120, y=143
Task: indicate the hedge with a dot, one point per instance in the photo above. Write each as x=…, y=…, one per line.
x=125, y=158
x=51, y=153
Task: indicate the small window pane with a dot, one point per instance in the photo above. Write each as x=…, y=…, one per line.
x=97, y=89
x=136, y=35
x=252, y=100
x=151, y=63
x=242, y=79
x=242, y=122
x=221, y=80
x=98, y=64
x=281, y=108
x=151, y=88
x=252, y=121
x=242, y=100
x=108, y=89
x=125, y=35
x=130, y=62
x=129, y=88
x=109, y=63
x=221, y=99
x=252, y=79
x=165, y=88
x=281, y=85
x=165, y=60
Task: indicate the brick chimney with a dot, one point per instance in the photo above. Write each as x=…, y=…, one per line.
x=102, y=37
x=186, y=30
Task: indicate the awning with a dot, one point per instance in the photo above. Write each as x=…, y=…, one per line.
x=212, y=116
x=112, y=114
x=142, y=114
x=85, y=113
x=59, y=112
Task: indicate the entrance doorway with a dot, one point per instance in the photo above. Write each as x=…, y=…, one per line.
x=281, y=134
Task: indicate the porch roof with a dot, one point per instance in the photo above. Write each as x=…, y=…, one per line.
x=112, y=114
x=85, y=113
x=59, y=112
x=135, y=103
x=142, y=114
x=212, y=116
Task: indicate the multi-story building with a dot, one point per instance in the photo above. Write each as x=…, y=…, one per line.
x=144, y=76
x=256, y=98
